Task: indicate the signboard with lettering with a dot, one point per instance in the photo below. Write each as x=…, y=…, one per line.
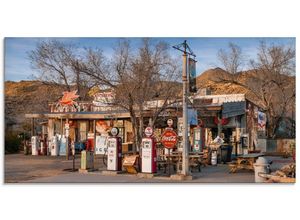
x=169, y=139
x=103, y=98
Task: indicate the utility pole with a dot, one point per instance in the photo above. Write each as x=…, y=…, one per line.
x=185, y=139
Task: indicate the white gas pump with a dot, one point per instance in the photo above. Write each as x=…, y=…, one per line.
x=114, y=151
x=148, y=152
x=54, y=146
x=63, y=146
x=35, y=145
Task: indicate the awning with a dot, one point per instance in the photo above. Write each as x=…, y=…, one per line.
x=231, y=109
x=80, y=115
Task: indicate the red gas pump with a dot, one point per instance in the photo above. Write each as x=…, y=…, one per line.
x=114, y=151
x=149, y=159
x=90, y=142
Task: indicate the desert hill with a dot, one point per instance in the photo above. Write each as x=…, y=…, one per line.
x=27, y=97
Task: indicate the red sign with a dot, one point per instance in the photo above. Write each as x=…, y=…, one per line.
x=68, y=98
x=148, y=131
x=169, y=139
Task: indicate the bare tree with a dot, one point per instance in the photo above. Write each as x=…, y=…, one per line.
x=135, y=77
x=232, y=60
x=271, y=79
x=275, y=70
x=56, y=63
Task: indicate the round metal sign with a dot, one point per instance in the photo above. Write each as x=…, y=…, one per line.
x=148, y=131
x=169, y=139
x=170, y=122
x=114, y=131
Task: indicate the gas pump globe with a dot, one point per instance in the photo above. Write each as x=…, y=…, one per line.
x=148, y=152
x=114, y=151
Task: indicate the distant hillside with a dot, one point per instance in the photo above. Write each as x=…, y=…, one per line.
x=27, y=97
x=211, y=79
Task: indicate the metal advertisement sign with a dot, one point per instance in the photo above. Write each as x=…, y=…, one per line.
x=169, y=139
x=114, y=131
x=148, y=131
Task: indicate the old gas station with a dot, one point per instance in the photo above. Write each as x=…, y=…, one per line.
x=199, y=130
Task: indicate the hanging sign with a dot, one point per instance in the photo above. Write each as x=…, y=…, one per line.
x=192, y=75
x=169, y=139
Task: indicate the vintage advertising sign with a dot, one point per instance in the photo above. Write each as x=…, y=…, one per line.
x=68, y=98
x=68, y=104
x=102, y=127
x=103, y=99
x=101, y=145
x=169, y=139
x=114, y=131
x=148, y=131
x=180, y=126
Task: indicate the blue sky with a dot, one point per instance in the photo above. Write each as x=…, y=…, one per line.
x=17, y=65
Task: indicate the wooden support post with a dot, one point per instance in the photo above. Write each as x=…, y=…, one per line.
x=219, y=124
x=61, y=127
x=67, y=143
x=94, y=127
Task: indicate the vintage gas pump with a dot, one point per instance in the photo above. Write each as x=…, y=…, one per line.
x=35, y=145
x=90, y=142
x=54, y=146
x=114, y=151
x=148, y=152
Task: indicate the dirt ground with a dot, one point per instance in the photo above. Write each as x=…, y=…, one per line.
x=27, y=168
x=19, y=167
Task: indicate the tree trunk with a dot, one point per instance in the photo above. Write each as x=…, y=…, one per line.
x=141, y=129
x=135, y=132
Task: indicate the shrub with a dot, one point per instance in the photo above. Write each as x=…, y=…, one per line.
x=12, y=142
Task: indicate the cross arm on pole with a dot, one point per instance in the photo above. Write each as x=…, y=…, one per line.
x=185, y=48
